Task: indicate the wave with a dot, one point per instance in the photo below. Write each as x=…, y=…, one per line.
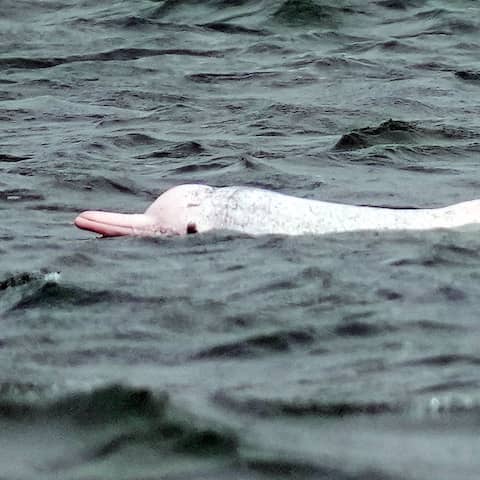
x=469, y=75
x=299, y=408
x=109, y=422
x=31, y=290
x=312, y=13
x=398, y=132
x=145, y=434
x=279, y=341
x=118, y=55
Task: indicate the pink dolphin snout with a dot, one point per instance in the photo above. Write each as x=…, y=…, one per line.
x=111, y=224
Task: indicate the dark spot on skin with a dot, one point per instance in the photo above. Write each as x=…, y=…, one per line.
x=192, y=228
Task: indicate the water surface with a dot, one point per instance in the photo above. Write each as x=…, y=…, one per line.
x=220, y=356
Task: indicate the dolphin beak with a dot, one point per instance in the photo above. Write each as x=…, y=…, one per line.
x=111, y=224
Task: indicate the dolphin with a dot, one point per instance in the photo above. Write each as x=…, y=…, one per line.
x=189, y=208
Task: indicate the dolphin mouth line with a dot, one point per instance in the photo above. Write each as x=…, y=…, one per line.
x=104, y=228
x=110, y=224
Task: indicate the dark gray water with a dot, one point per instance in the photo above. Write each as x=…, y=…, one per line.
x=221, y=356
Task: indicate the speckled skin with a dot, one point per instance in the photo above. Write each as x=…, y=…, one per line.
x=200, y=208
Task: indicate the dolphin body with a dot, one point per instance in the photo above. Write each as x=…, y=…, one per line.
x=199, y=208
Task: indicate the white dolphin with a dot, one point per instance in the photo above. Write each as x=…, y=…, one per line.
x=200, y=208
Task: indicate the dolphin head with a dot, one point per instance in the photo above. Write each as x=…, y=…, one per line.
x=178, y=211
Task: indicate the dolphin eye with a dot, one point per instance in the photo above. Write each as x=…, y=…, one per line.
x=192, y=228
